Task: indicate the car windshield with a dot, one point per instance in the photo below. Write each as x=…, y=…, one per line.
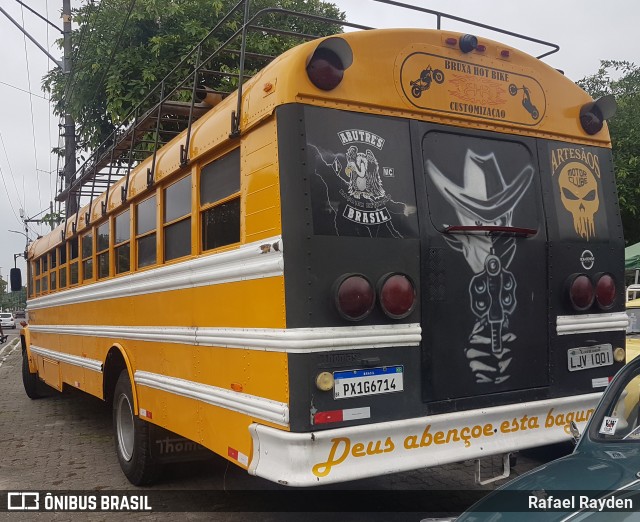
x=634, y=321
x=618, y=418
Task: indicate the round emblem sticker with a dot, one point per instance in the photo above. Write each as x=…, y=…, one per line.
x=587, y=259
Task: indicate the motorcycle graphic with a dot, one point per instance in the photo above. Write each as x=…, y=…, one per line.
x=526, y=99
x=424, y=82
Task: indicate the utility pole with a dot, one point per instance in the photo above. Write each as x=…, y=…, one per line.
x=69, y=133
x=69, y=123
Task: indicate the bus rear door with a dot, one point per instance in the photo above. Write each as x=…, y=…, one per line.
x=484, y=268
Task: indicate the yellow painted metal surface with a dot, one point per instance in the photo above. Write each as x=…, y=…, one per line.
x=50, y=372
x=260, y=183
x=255, y=303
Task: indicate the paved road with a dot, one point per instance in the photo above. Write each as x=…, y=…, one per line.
x=65, y=442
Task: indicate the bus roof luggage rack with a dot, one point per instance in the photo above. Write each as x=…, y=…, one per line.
x=185, y=94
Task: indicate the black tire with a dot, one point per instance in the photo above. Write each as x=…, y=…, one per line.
x=535, y=113
x=438, y=76
x=132, y=437
x=513, y=90
x=33, y=386
x=416, y=91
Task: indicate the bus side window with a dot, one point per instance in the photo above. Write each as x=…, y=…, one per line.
x=220, y=201
x=30, y=280
x=62, y=271
x=87, y=256
x=177, y=219
x=73, y=263
x=102, y=249
x=37, y=271
x=53, y=274
x=122, y=242
x=146, y=232
x=44, y=284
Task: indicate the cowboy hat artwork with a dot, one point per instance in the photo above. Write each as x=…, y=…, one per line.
x=485, y=199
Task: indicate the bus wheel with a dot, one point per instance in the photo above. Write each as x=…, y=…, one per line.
x=132, y=436
x=34, y=387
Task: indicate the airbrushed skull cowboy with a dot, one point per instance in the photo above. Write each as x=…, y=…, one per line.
x=486, y=199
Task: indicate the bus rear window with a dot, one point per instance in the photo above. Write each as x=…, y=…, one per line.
x=475, y=181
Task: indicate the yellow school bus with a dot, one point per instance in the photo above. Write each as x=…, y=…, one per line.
x=404, y=251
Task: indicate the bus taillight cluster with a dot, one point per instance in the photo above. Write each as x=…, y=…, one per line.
x=583, y=293
x=355, y=296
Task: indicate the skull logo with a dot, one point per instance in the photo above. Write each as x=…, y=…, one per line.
x=579, y=195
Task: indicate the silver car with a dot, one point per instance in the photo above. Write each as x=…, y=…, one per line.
x=7, y=320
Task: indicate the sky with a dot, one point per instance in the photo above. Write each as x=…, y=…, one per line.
x=587, y=31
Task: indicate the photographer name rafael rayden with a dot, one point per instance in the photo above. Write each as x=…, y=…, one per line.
x=581, y=502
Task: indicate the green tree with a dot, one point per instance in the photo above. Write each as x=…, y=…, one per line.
x=123, y=48
x=622, y=79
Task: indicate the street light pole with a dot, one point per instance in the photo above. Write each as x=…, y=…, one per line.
x=23, y=234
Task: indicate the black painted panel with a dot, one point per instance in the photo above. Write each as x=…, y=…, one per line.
x=585, y=236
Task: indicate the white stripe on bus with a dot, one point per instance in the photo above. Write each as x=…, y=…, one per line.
x=292, y=340
x=589, y=323
x=244, y=263
x=83, y=362
x=258, y=407
x=254, y=406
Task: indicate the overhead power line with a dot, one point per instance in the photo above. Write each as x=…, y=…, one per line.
x=52, y=186
x=25, y=91
x=79, y=56
x=4, y=182
x=33, y=125
x=4, y=148
x=114, y=50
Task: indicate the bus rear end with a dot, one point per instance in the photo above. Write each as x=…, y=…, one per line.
x=453, y=261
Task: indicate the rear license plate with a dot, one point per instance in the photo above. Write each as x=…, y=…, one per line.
x=372, y=381
x=590, y=357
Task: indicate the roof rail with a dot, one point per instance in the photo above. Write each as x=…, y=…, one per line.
x=193, y=86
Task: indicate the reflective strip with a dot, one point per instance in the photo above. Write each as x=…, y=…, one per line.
x=574, y=324
x=258, y=407
x=83, y=362
x=247, y=262
x=292, y=340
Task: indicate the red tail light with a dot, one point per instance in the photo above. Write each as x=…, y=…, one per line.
x=605, y=291
x=397, y=295
x=581, y=292
x=354, y=297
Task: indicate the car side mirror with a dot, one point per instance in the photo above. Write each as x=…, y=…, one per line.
x=15, y=277
x=575, y=432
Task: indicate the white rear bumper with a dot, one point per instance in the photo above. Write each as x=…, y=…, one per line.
x=341, y=454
